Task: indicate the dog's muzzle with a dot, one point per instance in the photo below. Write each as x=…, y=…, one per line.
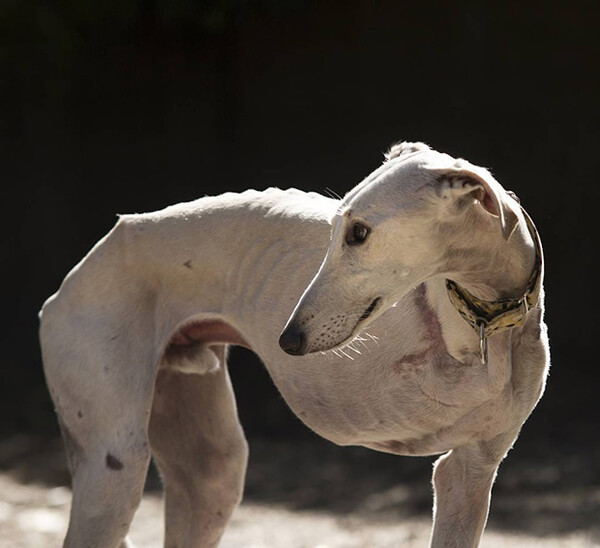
x=293, y=341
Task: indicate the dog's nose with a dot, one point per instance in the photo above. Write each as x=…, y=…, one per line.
x=293, y=341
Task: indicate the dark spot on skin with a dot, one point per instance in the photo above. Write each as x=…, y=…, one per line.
x=79, y=414
x=414, y=358
x=105, y=368
x=188, y=264
x=114, y=337
x=113, y=463
x=396, y=447
x=219, y=513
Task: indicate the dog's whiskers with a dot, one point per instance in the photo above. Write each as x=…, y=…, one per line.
x=350, y=347
x=360, y=340
x=326, y=354
x=347, y=350
x=332, y=193
x=372, y=337
x=345, y=354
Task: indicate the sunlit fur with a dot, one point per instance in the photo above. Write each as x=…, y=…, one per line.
x=134, y=342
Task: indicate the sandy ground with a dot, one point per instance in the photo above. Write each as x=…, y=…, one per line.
x=312, y=494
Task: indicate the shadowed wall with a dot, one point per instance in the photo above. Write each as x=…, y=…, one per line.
x=135, y=105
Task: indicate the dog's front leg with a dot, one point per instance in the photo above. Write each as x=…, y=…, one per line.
x=462, y=481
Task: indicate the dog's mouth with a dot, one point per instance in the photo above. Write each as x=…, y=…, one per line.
x=369, y=310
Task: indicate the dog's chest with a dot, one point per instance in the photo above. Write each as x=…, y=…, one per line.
x=397, y=390
x=400, y=394
x=406, y=408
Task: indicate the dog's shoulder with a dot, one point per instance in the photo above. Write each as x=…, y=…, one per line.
x=272, y=201
x=290, y=203
x=275, y=194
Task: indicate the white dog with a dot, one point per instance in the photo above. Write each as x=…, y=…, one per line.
x=429, y=254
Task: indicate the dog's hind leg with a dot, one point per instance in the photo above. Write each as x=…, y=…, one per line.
x=106, y=492
x=108, y=465
x=200, y=448
x=102, y=390
x=108, y=453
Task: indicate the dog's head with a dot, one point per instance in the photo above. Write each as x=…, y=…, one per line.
x=405, y=223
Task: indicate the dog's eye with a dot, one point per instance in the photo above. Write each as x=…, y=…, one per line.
x=357, y=234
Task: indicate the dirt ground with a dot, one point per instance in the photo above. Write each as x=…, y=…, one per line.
x=312, y=494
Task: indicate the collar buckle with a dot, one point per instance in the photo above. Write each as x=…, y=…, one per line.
x=483, y=343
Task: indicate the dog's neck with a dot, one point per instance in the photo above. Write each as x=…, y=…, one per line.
x=493, y=268
x=489, y=268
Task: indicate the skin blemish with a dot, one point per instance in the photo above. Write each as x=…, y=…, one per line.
x=79, y=414
x=188, y=264
x=415, y=358
x=113, y=463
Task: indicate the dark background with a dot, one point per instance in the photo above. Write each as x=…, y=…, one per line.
x=130, y=105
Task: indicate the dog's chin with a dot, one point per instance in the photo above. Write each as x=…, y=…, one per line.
x=371, y=312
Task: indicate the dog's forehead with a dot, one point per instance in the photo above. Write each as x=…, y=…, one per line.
x=396, y=183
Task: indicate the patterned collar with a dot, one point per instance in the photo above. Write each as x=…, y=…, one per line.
x=490, y=317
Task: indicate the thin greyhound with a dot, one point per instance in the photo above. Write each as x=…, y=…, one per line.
x=421, y=333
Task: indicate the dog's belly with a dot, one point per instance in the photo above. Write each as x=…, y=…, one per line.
x=212, y=331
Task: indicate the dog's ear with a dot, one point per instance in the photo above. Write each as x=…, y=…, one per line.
x=404, y=149
x=464, y=180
